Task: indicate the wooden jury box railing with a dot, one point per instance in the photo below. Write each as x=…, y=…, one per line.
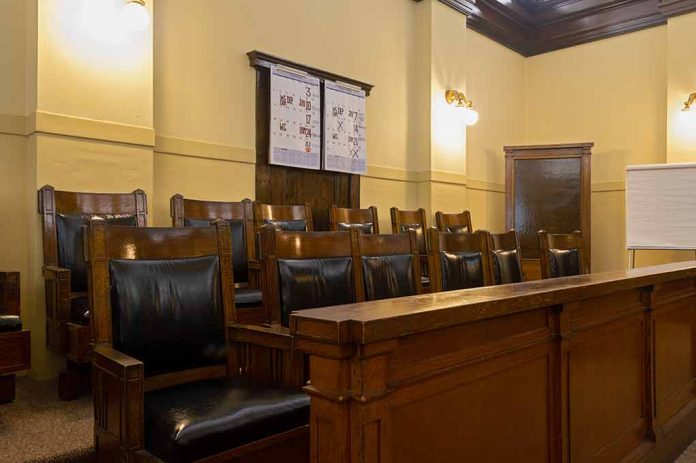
x=591, y=368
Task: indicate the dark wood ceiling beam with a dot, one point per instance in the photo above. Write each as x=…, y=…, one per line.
x=532, y=27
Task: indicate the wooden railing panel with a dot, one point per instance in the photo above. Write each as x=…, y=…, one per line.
x=596, y=368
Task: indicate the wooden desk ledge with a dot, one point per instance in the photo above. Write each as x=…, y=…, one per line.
x=369, y=322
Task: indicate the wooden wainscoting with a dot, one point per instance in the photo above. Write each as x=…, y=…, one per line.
x=590, y=368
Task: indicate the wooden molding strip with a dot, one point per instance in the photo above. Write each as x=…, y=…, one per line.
x=201, y=149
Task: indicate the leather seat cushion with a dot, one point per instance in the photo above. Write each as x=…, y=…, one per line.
x=461, y=270
x=240, y=260
x=311, y=283
x=168, y=313
x=69, y=230
x=420, y=235
x=288, y=225
x=10, y=323
x=247, y=297
x=458, y=228
x=506, y=267
x=564, y=262
x=366, y=228
x=196, y=420
x=79, y=310
x=388, y=276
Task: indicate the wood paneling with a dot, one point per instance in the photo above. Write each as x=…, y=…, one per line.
x=287, y=185
x=587, y=368
x=532, y=27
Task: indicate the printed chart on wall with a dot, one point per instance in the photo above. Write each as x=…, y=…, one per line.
x=345, y=149
x=295, y=139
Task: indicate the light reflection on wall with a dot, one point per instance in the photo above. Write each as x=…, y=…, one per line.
x=94, y=32
x=448, y=131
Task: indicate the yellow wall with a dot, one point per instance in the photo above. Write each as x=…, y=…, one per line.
x=171, y=110
x=681, y=75
x=608, y=93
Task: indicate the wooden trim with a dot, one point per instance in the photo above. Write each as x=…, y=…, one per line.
x=202, y=149
x=261, y=59
x=60, y=124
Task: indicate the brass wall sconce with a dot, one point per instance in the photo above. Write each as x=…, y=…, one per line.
x=688, y=113
x=457, y=98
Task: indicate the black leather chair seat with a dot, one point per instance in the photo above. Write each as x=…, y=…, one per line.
x=79, y=310
x=10, y=323
x=197, y=420
x=247, y=297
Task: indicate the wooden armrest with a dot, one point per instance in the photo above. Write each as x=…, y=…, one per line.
x=266, y=336
x=122, y=365
x=52, y=272
x=118, y=391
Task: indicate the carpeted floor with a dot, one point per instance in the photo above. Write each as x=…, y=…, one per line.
x=40, y=428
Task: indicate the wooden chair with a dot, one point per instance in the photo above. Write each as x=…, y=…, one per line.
x=459, y=260
x=246, y=268
x=64, y=215
x=166, y=384
x=390, y=265
x=562, y=255
x=287, y=218
x=306, y=270
x=454, y=223
x=15, y=343
x=403, y=221
x=506, y=257
x=343, y=218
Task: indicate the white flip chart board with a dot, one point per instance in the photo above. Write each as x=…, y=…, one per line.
x=661, y=206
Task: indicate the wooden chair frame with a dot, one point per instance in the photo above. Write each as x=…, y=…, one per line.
x=458, y=242
x=508, y=241
x=549, y=241
x=264, y=212
x=62, y=335
x=442, y=220
x=182, y=208
x=386, y=245
x=348, y=215
x=119, y=379
x=15, y=346
x=399, y=217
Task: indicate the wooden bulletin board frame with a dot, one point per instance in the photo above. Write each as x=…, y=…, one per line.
x=581, y=151
x=289, y=185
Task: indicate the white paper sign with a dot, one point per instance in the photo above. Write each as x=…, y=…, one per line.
x=345, y=149
x=295, y=120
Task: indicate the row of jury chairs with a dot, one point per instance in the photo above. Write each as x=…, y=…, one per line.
x=64, y=214
x=191, y=382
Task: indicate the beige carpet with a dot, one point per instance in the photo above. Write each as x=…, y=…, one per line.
x=38, y=427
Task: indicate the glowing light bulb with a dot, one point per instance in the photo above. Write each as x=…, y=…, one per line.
x=135, y=16
x=687, y=118
x=471, y=116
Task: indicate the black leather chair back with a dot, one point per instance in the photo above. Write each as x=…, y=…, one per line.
x=240, y=259
x=564, y=262
x=287, y=225
x=70, y=232
x=388, y=276
x=368, y=227
x=420, y=234
x=461, y=270
x=457, y=228
x=168, y=313
x=506, y=267
x=311, y=283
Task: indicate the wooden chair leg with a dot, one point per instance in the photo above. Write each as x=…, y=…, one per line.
x=7, y=388
x=74, y=381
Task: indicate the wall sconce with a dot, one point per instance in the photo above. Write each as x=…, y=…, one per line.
x=687, y=117
x=135, y=15
x=457, y=98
